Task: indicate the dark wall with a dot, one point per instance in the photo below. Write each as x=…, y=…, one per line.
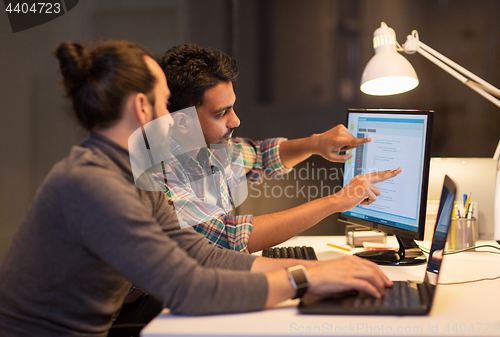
x=301, y=62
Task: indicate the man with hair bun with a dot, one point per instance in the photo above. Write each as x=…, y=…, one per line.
x=90, y=232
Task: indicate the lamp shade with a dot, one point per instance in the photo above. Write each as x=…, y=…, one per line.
x=388, y=72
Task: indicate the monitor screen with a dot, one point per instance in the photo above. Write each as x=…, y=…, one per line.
x=400, y=138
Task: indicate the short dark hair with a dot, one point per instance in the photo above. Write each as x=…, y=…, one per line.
x=98, y=79
x=191, y=70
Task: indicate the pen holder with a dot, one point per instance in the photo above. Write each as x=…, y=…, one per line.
x=463, y=234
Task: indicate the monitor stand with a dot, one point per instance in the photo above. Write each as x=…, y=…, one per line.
x=408, y=254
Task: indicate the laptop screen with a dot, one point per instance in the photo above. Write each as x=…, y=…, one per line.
x=440, y=231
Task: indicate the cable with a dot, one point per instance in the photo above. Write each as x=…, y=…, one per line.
x=426, y=251
x=471, y=281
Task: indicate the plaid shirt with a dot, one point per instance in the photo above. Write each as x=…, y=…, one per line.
x=184, y=179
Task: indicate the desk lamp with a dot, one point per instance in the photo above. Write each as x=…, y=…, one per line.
x=389, y=73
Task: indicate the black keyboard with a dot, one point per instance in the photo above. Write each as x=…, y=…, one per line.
x=399, y=296
x=297, y=252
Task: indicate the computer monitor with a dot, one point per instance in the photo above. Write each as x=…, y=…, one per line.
x=400, y=138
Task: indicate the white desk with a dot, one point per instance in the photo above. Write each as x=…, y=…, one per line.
x=459, y=310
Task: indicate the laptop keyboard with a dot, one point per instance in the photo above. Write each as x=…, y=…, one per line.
x=297, y=252
x=401, y=295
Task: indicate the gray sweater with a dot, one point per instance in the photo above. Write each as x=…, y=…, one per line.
x=90, y=232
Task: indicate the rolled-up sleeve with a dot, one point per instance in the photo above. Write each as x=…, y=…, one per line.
x=227, y=231
x=222, y=229
x=261, y=158
x=258, y=159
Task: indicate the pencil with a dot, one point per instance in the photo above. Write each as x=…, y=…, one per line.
x=339, y=247
x=453, y=225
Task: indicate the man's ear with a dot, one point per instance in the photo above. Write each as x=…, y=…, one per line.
x=182, y=122
x=142, y=108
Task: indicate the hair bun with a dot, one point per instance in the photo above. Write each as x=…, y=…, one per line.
x=75, y=64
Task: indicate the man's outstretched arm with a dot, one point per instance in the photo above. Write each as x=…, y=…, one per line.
x=328, y=145
x=271, y=229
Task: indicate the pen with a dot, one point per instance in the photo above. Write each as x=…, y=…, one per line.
x=466, y=207
x=339, y=247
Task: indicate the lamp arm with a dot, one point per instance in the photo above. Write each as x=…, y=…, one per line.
x=459, y=68
x=471, y=80
x=479, y=88
x=488, y=90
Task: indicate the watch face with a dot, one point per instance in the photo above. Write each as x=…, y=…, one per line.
x=300, y=277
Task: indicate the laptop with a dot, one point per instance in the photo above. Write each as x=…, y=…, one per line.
x=405, y=297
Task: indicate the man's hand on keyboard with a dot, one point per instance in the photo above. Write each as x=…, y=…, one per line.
x=325, y=277
x=347, y=273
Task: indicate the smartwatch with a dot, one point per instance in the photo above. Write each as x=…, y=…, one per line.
x=299, y=280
